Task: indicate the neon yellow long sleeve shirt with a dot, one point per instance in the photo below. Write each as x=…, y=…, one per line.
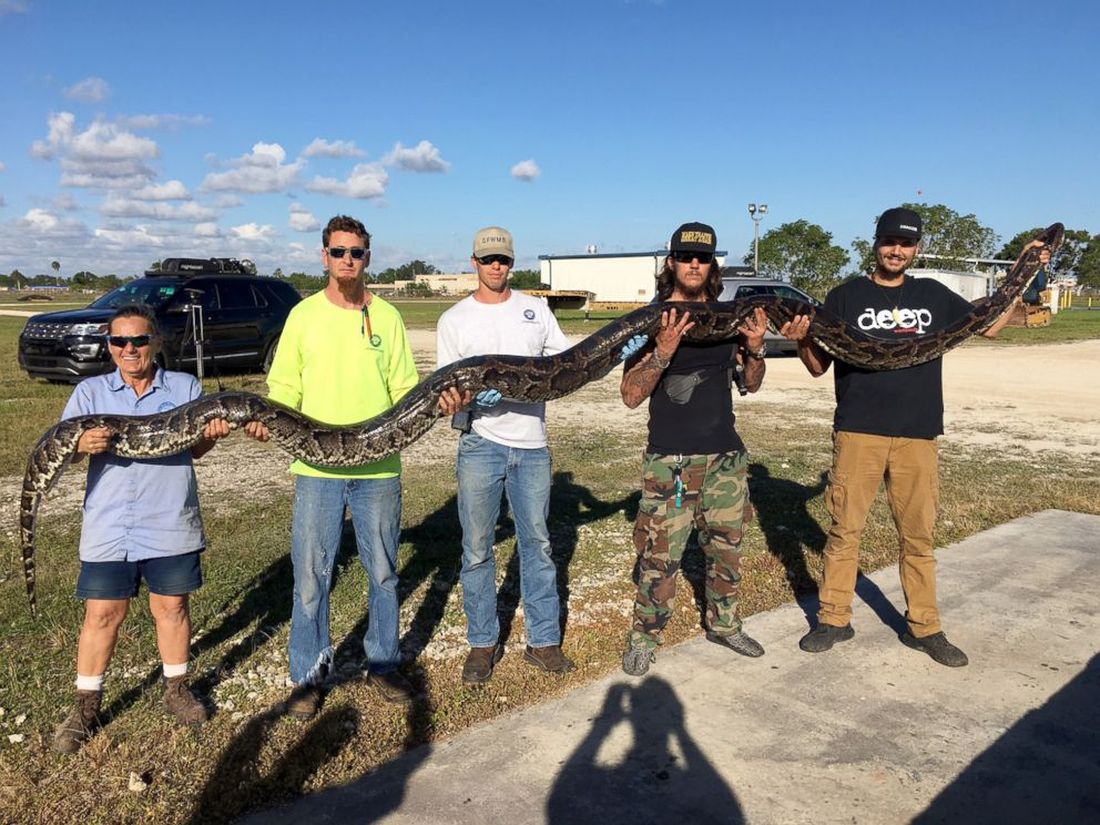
x=342, y=366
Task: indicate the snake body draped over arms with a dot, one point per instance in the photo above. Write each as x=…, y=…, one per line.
x=516, y=377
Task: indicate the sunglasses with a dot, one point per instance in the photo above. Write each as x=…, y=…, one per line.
x=688, y=257
x=357, y=252
x=489, y=260
x=121, y=341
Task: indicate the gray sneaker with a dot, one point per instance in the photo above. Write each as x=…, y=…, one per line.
x=739, y=642
x=637, y=658
x=936, y=646
x=824, y=636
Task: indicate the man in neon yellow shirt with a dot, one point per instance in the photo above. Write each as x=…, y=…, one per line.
x=343, y=357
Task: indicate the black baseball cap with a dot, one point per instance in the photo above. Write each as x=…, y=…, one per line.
x=899, y=222
x=693, y=237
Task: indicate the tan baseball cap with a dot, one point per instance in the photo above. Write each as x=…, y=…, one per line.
x=493, y=240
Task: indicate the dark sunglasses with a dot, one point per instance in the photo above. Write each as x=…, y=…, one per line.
x=357, y=252
x=489, y=260
x=121, y=341
x=688, y=257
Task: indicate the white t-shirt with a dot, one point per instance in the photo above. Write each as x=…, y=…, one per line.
x=522, y=325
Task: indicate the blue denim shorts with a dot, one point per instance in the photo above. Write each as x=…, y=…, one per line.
x=165, y=576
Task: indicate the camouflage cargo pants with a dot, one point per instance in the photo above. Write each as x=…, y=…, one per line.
x=714, y=498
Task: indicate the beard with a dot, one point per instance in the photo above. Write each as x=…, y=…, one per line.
x=691, y=292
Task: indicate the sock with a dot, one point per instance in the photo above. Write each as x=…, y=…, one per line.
x=174, y=670
x=90, y=682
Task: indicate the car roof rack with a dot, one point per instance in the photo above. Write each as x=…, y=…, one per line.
x=200, y=266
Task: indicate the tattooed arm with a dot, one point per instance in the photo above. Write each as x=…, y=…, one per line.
x=641, y=376
x=753, y=329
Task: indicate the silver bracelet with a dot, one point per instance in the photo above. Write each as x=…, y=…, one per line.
x=759, y=353
x=662, y=363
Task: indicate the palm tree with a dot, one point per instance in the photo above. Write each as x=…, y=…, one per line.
x=57, y=271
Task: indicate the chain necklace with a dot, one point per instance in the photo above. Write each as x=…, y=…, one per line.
x=896, y=313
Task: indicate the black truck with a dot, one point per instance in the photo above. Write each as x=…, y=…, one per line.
x=237, y=318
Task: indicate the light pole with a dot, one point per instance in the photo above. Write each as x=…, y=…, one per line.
x=757, y=214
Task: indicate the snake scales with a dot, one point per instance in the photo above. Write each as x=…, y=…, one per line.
x=516, y=377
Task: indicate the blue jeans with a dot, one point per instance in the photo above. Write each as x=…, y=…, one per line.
x=485, y=469
x=375, y=505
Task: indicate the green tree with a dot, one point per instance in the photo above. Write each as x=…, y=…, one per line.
x=83, y=280
x=1066, y=259
x=1088, y=267
x=946, y=233
x=526, y=279
x=804, y=253
x=18, y=279
x=405, y=272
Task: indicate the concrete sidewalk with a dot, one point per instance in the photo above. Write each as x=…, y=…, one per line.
x=869, y=732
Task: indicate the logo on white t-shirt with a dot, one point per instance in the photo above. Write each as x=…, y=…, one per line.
x=906, y=320
x=529, y=314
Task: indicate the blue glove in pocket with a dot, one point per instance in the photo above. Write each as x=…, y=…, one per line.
x=487, y=398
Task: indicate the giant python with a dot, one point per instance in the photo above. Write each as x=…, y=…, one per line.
x=516, y=377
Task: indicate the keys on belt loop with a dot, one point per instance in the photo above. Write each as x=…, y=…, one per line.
x=678, y=482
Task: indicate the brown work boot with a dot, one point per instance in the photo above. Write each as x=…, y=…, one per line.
x=480, y=662
x=304, y=701
x=549, y=658
x=393, y=686
x=80, y=724
x=181, y=703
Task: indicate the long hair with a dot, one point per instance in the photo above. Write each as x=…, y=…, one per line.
x=666, y=281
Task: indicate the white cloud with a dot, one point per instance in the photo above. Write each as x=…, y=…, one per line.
x=367, y=180
x=262, y=170
x=302, y=220
x=41, y=223
x=254, y=232
x=89, y=90
x=133, y=238
x=169, y=122
x=172, y=190
x=119, y=206
x=526, y=170
x=321, y=148
x=228, y=201
x=3, y=166
x=424, y=157
x=65, y=202
x=102, y=156
x=208, y=230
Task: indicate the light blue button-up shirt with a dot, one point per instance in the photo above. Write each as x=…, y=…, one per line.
x=145, y=508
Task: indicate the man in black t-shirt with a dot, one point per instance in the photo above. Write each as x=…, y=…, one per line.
x=885, y=427
x=695, y=464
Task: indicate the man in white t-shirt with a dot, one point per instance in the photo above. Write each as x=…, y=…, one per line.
x=503, y=449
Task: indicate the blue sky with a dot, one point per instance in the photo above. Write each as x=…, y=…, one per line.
x=133, y=132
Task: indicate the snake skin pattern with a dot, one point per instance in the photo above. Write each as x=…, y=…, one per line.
x=516, y=377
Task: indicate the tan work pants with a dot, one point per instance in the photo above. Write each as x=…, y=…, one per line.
x=910, y=468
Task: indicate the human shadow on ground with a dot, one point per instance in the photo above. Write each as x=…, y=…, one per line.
x=238, y=785
x=572, y=506
x=1045, y=768
x=663, y=777
x=781, y=508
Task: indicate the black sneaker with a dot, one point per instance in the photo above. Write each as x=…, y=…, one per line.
x=739, y=642
x=937, y=647
x=824, y=636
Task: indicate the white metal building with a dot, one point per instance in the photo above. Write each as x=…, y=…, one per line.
x=626, y=277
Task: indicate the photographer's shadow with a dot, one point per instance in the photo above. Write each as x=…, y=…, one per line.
x=790, y=532
x=662, y=777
